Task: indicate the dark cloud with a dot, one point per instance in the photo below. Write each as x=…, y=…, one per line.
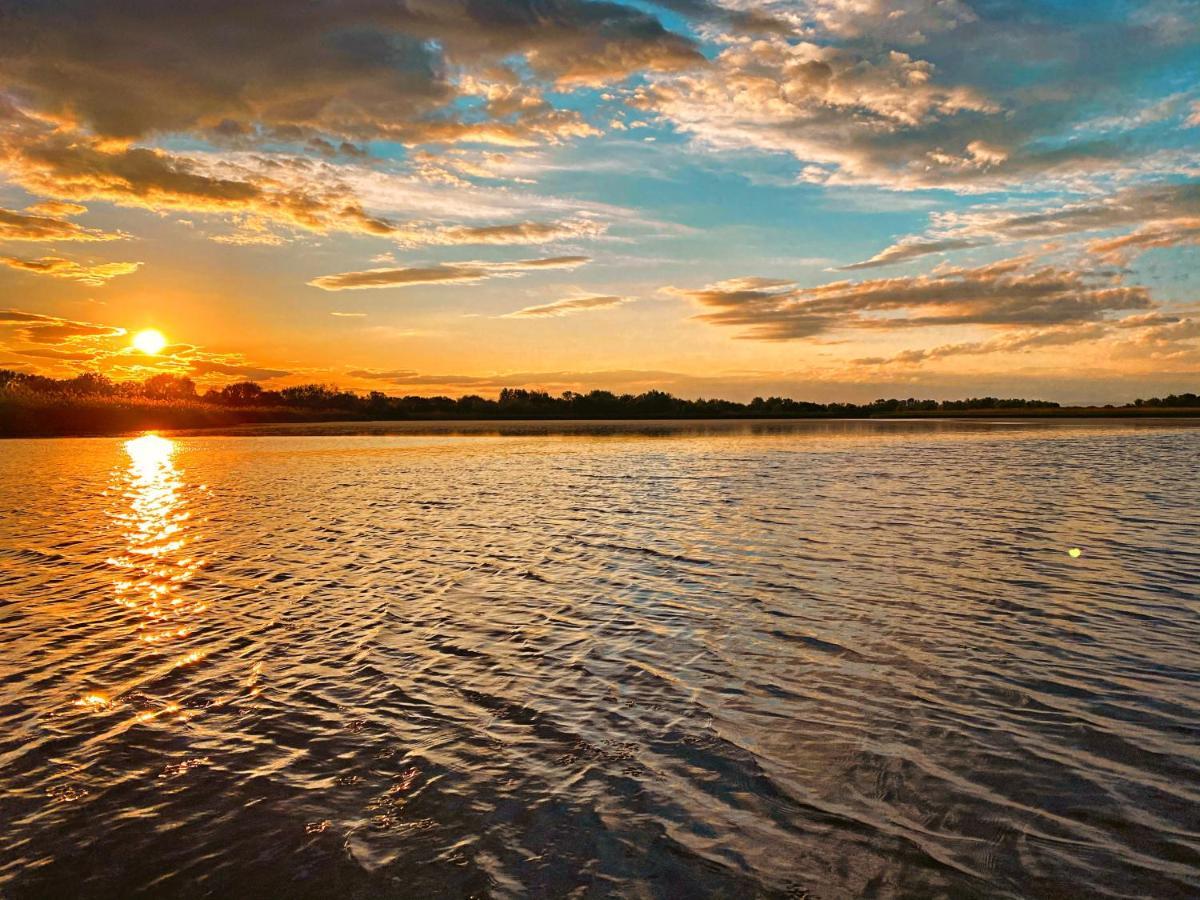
x=352, y=70
x=82, y=82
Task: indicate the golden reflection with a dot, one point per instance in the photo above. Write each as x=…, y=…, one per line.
x=155, y=525
x=156, y=560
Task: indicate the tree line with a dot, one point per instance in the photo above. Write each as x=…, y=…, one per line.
x=511, y=403
x=1175, y=401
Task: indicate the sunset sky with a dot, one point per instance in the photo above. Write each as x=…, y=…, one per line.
x=828, y=199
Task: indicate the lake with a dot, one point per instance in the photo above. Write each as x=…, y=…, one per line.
x=788, y=659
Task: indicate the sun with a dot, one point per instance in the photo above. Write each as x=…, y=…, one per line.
x=150, y=341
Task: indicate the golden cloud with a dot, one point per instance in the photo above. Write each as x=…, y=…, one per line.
x=55, y=266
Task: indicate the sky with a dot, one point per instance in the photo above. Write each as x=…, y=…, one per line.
x=823, y=199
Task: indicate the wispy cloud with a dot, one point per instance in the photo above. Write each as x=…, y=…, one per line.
x=42, y=329
x=569, y=306
x=45, y=222
x=909, y=249
x=443, y=273
x=238, y=370
x=94, y=275
x=1160, y=215
x=1007, y=293
x=509, y=233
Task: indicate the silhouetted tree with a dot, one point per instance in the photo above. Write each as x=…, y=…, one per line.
x=244, y=393
x=166, y=386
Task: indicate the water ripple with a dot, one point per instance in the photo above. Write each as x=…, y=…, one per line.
x=774, y=659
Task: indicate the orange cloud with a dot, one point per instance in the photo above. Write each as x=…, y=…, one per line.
x=57, y=267
x=42, y=329
x=38, y=224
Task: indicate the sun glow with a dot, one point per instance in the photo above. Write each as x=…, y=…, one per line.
x=150, y=341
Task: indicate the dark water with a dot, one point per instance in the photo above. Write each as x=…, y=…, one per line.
x=801, y=660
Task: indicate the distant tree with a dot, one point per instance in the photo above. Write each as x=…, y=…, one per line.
x=166, y=386
x=243, y=393
x=329, y=400
x=90, y=384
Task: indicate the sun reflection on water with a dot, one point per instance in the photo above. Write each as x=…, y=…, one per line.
x=156, y=560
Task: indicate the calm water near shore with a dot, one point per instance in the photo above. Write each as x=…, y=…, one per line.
x=790, y=659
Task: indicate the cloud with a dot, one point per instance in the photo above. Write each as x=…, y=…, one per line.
x=909, y=249
x=773, y=83
x=869, y=117
x=620, y=379
x=56, y=208
x=749, y=21
x=569, y=306
x=1155, y=336
x=443, y=273
x=506, y=234
x=1160, y=202
x=854, y=108
x=258, y=191
x=88, y=347
x=1007, y=293
x=1161, y=214
x=1172, y=234
x=905, y=21
x=51, y=353
x=240, y=370
x=38, y=224
x=347, y=71
x=55, y=266
x=1009, y=343
x=70, y=167
x=42, y=329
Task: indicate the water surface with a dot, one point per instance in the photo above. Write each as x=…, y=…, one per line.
x=806, y=659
